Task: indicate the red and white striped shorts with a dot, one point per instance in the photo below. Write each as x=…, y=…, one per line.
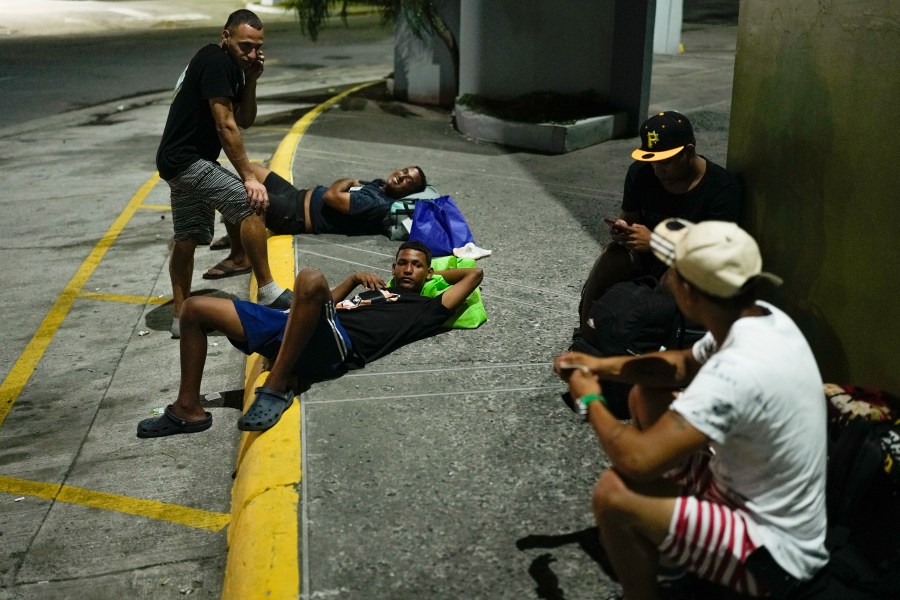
x=707, y=536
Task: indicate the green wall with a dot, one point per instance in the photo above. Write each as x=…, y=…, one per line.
x=815, y=137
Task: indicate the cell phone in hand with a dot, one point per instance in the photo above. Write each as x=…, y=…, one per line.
x=610, y=221
x=568, y=365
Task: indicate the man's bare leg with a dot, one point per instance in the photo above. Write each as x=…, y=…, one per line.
x=236, y=256
x=181, y=270
x=254, y=242
x=311, y=292
x=275, y=396
x=198, y=315
x=632, y=526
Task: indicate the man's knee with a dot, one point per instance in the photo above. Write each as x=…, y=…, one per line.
x=609, y=494
x=311, y=284
x=192, y=311
x=616, y=258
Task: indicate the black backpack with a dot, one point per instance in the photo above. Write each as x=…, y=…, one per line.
x=632, y=317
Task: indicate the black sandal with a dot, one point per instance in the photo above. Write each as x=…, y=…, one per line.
x=266, y=409
x=170, y=424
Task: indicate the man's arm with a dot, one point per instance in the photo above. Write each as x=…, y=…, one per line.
x=245, y=110
x=370, y=281
x=338, y=195
x=463, y=282
x=639, y=455
x=245, y=107
x=667, y=369
x=233, y=145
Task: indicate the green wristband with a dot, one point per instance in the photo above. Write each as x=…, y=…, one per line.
x=587, y=399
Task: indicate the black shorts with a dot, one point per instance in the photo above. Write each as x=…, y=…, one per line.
x=285, y=212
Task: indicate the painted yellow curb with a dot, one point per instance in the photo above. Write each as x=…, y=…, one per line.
x=263, y=549
x=263, y=540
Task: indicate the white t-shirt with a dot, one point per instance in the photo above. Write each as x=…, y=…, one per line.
x=759, y=400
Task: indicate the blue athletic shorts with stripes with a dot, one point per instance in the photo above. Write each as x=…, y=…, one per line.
x=323, y=358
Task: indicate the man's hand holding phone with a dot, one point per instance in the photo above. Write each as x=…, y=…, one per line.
x=257, y=66
x=618, y=229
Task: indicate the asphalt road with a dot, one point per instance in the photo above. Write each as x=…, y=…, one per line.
x=50, y=75
x=87, y=510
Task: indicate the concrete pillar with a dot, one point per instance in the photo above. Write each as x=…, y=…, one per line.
x=632, y=59
x=667, y=32
x=513, y=47
x=813, y=135
x=423, y=69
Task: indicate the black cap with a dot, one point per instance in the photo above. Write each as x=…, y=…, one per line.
x=664, y=135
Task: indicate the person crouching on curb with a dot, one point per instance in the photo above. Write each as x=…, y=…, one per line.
x=320, y=337
x=722, y=471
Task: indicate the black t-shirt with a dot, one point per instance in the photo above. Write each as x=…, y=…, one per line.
x=190, y=133
x=378, y=322
x=716, y=198
x=368, y=207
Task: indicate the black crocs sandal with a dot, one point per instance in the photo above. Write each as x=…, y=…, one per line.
x=170, y=424
x=266, y=409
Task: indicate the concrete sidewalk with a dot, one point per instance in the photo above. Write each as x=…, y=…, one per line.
x=450, y=469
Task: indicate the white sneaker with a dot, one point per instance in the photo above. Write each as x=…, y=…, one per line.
x=470, y=250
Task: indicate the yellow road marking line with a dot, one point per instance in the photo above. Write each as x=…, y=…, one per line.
x=283, y=159
x=161, y=511
x=28, y=360
x=124, y=298
x=155, y=207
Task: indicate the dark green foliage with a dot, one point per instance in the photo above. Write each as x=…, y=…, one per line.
x=420, y=15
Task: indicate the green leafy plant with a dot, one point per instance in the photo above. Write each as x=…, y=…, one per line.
x=421, y=17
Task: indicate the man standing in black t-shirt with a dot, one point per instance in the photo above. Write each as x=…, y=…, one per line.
x=669, y=179
x=215, y=97
x=324, y=333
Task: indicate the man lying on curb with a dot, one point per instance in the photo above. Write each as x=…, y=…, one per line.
x=322, y=335
x=725, y=478
x=348, y=206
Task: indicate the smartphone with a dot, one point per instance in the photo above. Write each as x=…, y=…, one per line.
x=609, y=221
x=566, y=365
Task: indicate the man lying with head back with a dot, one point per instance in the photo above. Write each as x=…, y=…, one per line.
x=324, y=333
x=347, y=206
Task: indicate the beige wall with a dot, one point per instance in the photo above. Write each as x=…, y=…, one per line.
x=815, y=137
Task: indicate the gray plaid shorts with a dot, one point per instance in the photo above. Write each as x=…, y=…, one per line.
x=199, y=191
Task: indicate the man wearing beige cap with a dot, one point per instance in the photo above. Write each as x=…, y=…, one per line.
x=722, y=471
x=667, y=179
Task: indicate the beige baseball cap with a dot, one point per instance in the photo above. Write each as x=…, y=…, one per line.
x=717, y=257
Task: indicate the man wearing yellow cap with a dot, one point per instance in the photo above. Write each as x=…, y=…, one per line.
x=722, y=471
x=668, y=179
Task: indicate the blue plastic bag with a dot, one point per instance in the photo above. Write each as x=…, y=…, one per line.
x=440, y=225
